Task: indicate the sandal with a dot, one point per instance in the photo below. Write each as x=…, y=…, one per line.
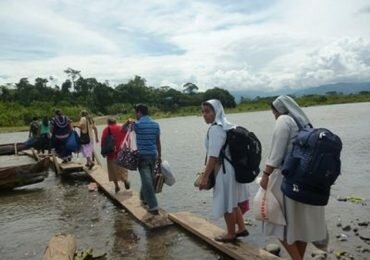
x=243, y=233
x=224, y=239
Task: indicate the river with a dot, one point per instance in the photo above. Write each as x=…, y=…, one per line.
x=29, y=216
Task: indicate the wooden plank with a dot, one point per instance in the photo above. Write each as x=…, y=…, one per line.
x=60, y=247
x=207, y=232
x=129, y=200
x=60, y=167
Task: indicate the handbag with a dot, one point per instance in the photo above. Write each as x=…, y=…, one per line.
x=265, y=205
x=85, y=137
x=109, y=144
x=159, y=178
x=211, y=180
x=128, y=156
x=72, y=143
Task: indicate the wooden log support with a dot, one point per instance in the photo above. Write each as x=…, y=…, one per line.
x=201, y=228
x=55, y=163
x=60, y=247
x=61, y=168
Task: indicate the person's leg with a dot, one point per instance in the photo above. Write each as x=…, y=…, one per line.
x=146, y=169
x=292, y=250
x=301, y=248
x=230, y=220
x=241, y=231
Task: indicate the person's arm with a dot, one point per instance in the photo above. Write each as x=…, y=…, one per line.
x=96, y=133
x=159, y=148
x=29, y=132
x=210, y=166
x=280, y=141
x=104, y=135
x=216, y=139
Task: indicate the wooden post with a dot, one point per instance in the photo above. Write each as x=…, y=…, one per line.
x=56, y=164
x=60, y=247
x=35, y=155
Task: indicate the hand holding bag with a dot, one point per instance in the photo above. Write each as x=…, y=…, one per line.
x=211, y=180
x=265, y=205
x=128, y=155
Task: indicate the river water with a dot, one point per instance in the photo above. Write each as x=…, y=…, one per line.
x=29, y=216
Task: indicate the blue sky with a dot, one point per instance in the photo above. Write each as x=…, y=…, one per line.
x=264, y=45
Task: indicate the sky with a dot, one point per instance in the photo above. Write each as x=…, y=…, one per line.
x=236, y=44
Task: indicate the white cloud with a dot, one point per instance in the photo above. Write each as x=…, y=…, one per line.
x=273, y=45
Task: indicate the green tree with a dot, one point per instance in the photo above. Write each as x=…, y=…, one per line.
x=73, y=75
x=190, y=88
x=223, y=95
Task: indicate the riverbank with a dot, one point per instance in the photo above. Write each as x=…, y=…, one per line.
x=260, y=104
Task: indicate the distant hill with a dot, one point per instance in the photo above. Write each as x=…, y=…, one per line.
x=345, y=88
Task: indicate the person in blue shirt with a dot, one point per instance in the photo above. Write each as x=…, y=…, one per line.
x=149, y=146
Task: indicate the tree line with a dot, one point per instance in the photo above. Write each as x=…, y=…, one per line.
x=26, y=99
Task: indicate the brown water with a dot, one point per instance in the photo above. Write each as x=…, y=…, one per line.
x=29, y=216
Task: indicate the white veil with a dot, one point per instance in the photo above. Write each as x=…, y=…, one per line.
x=220, y=117
x=287, y=105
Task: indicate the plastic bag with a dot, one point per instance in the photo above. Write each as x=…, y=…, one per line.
x=265, y=206
x=169, y=179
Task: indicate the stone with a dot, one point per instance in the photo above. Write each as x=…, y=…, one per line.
x=347, y=228
x=363, y=223
x=319, y=255
x=339, y=224
x=342, y=237
x=355, y=230
x=273, y=249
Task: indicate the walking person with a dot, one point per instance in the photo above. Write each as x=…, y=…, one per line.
x=149, y=146
x=61, y=128
x=45, y=135
x=116, y=173
x=34, y=128
x=305, y=223
x=34, y=134
x=227, y=192
x=88, y=132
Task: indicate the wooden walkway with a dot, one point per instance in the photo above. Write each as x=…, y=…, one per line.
x=61, y=168
x=128, y=199
x=201, y=228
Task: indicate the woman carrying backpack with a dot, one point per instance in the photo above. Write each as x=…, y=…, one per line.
x=305, y=223
x=227, y=193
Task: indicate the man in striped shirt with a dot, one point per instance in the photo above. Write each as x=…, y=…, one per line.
x=149, y=145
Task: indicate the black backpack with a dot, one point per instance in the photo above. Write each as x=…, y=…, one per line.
x=245, y=152
x=312, y=167
x=109, y=144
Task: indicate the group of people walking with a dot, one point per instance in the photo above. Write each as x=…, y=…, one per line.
x=54, y=133
x=304, y=223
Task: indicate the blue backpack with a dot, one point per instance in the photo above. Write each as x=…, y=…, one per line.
x=312, y=167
